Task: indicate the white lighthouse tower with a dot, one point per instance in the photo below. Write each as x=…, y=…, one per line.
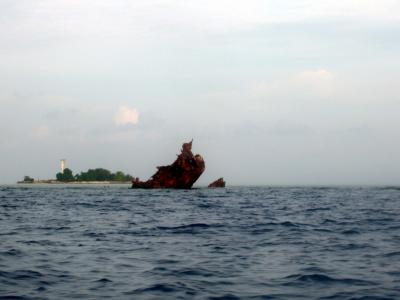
x=62, y=165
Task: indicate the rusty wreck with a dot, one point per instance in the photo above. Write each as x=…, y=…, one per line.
x=181, y=174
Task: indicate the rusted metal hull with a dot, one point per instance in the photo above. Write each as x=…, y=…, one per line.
x=181, y=174
x=219, y=183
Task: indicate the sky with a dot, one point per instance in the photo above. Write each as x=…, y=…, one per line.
x=302, y=92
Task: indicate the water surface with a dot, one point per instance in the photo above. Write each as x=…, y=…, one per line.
x=95, y=242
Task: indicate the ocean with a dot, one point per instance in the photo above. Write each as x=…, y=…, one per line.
x=111, y=242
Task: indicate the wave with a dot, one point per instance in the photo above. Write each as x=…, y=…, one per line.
x=284, y=223
x=12, y=252
x=321, y=278
x=194, y=225
x=369, y=297
x=13, y=297
x=189, y=228
x=353, y=246
x=350, y=232
x=104, y=280
x=318, y=209
x=159, y=287
x=224, y=297
x=392, y=254
x=21, y=274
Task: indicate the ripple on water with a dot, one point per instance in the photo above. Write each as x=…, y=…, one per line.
x=235, y=243
x=161, y=289
x=21, y=275
x=323, y=279
x=195, y=228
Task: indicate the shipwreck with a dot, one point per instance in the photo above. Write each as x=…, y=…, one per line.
x=219, y=183
x=181, y=174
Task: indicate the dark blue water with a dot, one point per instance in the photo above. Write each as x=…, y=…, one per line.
x=234, y=243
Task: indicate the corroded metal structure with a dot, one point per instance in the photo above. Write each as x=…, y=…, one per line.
x=219, y=183
x=181, y=174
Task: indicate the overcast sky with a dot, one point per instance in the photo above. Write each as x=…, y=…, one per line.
x=272, y=92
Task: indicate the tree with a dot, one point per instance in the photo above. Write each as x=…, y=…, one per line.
x=119, y=176
x=128, y=177
x=101, y=174
x=66, y=176
x=28, y=179
x=59, y=176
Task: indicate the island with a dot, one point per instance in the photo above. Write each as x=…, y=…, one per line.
x=91, y=176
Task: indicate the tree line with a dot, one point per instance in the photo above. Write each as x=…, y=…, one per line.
x=98, y=174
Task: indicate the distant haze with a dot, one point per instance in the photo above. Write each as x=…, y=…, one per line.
x=272, y=92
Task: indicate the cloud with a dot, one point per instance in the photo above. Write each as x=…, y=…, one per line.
x=320, y=82
x=126, y=116
x=380, y=10
x=43, y=20
x=321, y=75
x=309, y=83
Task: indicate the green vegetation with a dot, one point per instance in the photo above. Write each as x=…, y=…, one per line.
x=98, y=174
x=28, y=179
x=66, y=176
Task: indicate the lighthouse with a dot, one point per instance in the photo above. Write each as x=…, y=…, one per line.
x=62, y=165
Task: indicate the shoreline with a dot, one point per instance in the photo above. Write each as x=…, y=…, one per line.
x=73, y=182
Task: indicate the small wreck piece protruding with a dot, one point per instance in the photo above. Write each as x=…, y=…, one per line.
x=181, y=174
x=219, y=183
